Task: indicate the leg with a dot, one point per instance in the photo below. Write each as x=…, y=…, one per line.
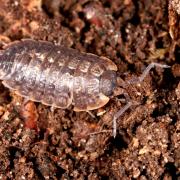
x=91, y=114
x=52, y=109
x=146, y=72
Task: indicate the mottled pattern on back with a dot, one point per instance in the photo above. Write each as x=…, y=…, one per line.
x=56, y=75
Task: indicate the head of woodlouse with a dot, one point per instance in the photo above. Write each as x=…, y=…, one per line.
x=108, y=82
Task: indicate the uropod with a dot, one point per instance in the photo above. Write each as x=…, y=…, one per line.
x=58, y=76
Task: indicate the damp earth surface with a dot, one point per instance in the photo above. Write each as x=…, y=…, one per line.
x=38, y=142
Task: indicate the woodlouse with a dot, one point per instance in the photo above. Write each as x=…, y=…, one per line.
x=60, y=76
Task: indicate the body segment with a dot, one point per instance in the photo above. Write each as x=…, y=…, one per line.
x=57, y=76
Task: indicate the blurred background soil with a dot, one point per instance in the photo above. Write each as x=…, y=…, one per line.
x=37, y=142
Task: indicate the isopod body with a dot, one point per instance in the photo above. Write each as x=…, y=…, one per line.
x=56, y=75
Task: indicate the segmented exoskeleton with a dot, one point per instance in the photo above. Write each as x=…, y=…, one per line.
x=56, y=75
x=59, y=76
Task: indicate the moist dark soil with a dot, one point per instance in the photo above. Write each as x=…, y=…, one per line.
x=37, y=142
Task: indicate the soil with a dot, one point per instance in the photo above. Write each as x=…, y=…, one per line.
x=37, y=142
